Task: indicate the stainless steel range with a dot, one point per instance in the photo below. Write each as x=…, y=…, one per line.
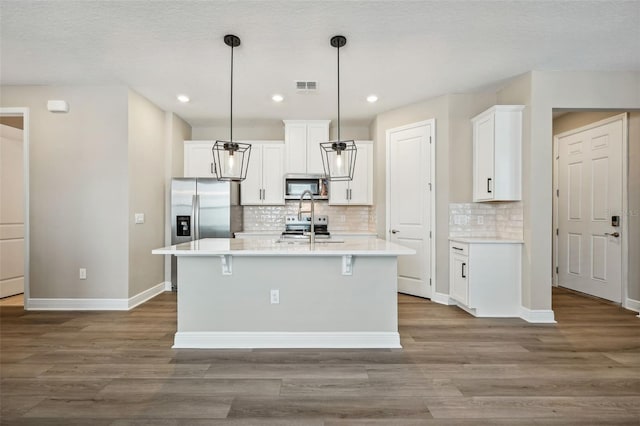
x=295, y=228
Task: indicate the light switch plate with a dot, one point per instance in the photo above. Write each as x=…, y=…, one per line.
x=139, y=217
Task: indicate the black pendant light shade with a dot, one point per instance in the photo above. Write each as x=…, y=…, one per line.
x=231, y=159
x=339, y=157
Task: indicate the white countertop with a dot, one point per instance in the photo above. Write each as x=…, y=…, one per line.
x=270, y=247
x=485, y=240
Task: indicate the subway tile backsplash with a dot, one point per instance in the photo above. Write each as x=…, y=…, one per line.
x=490, y=220
x=341, y=218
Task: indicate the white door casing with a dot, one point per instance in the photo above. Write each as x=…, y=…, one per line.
x=411, y=203
x=590, y=192
x=24, y=113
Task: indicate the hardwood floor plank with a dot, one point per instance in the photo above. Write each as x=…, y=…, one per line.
x=118, y=368
x=329, y=408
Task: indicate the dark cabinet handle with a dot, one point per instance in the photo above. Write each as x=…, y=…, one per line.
x=489, y=185
x=457, y=248
x=464, y=273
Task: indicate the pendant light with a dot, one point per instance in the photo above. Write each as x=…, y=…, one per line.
x=338, y=157
x=230, y=158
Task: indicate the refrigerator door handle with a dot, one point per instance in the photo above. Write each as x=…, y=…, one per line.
x=194, y=217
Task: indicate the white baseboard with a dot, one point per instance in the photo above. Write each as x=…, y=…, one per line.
x=41, y=304
x=147, y=294
x=540, y=316
x=167, y=286
x=442, y=299
x=248, y=340
x=633, y=305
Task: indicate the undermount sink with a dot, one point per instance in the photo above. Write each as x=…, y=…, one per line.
x=306, y=241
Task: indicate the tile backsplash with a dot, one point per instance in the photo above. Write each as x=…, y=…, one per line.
x=341, y=218
x=491, y=220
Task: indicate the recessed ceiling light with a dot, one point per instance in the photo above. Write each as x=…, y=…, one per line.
x=372, y=98
x=277, y=98
x=183, y=98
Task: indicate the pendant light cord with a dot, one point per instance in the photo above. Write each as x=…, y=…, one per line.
x=231, y=100
x=338, y=49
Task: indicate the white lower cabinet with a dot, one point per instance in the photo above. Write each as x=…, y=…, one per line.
x=484, y=276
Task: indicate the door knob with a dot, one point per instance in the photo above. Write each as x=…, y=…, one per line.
x=394, y=231
x=613, y=234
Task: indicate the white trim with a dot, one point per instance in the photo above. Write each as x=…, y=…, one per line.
x=632, y=305
x=149, y=293
x=167, y=285
x=432, y=179
x=442, y=299
x=41, y=304
x=24, y=112
x=268, y=339
x=540, y=316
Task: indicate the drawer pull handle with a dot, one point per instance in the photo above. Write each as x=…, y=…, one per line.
x=464, y=273
x=457, y=248
x=489, y=185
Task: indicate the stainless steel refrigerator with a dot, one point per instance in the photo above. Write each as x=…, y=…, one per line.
x=202, y=208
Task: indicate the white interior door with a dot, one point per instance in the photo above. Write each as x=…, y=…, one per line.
x=409, y=203
x=11, y=211
x=590, y=184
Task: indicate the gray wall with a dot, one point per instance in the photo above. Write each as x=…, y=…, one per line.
x=78, y=191
x=454, y=151
x=146, y=156
x=574, y=120
x=274, y=130
x=541, y=92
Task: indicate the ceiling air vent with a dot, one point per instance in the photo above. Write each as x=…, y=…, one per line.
x=306, y=86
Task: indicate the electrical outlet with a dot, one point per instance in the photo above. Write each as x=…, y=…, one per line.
x=480, y=220
x=83, y=273
x=139, y=217
x=275, y=297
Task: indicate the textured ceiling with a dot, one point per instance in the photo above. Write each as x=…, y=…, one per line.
x=403, y=51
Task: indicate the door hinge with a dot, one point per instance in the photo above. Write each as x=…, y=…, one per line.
x=429, y=186
x=557, y=231
x=429, y=139
x=557, y=192
x=556, y=269
x=429, y=281
x=429, y=234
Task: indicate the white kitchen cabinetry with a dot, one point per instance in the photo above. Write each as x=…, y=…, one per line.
x=497, y=157
x=484, y=276
x=358, y=191
x=264, y=184
x=198, y=159
x=302, y=141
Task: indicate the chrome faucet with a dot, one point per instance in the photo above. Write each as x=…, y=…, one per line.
x=312, y=234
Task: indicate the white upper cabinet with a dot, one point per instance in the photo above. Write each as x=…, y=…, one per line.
x=497, y=156
x=358, y=191
x=198, y=159
x=302, y=145
x=264, y=184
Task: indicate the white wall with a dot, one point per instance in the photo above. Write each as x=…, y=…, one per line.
x=78, y=190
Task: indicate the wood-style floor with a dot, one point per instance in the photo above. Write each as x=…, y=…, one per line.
x=118, y=368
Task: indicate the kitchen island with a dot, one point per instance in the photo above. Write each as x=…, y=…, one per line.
x=263, y=293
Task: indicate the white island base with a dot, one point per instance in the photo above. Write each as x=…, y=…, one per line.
x=334, y=296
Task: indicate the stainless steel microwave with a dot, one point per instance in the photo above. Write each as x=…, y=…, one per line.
x=295, y=185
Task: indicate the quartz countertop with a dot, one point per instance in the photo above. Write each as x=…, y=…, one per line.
x=274, y=247
x=336, y=233
x=485, y=240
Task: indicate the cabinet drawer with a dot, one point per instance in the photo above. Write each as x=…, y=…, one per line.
x=460, y=248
